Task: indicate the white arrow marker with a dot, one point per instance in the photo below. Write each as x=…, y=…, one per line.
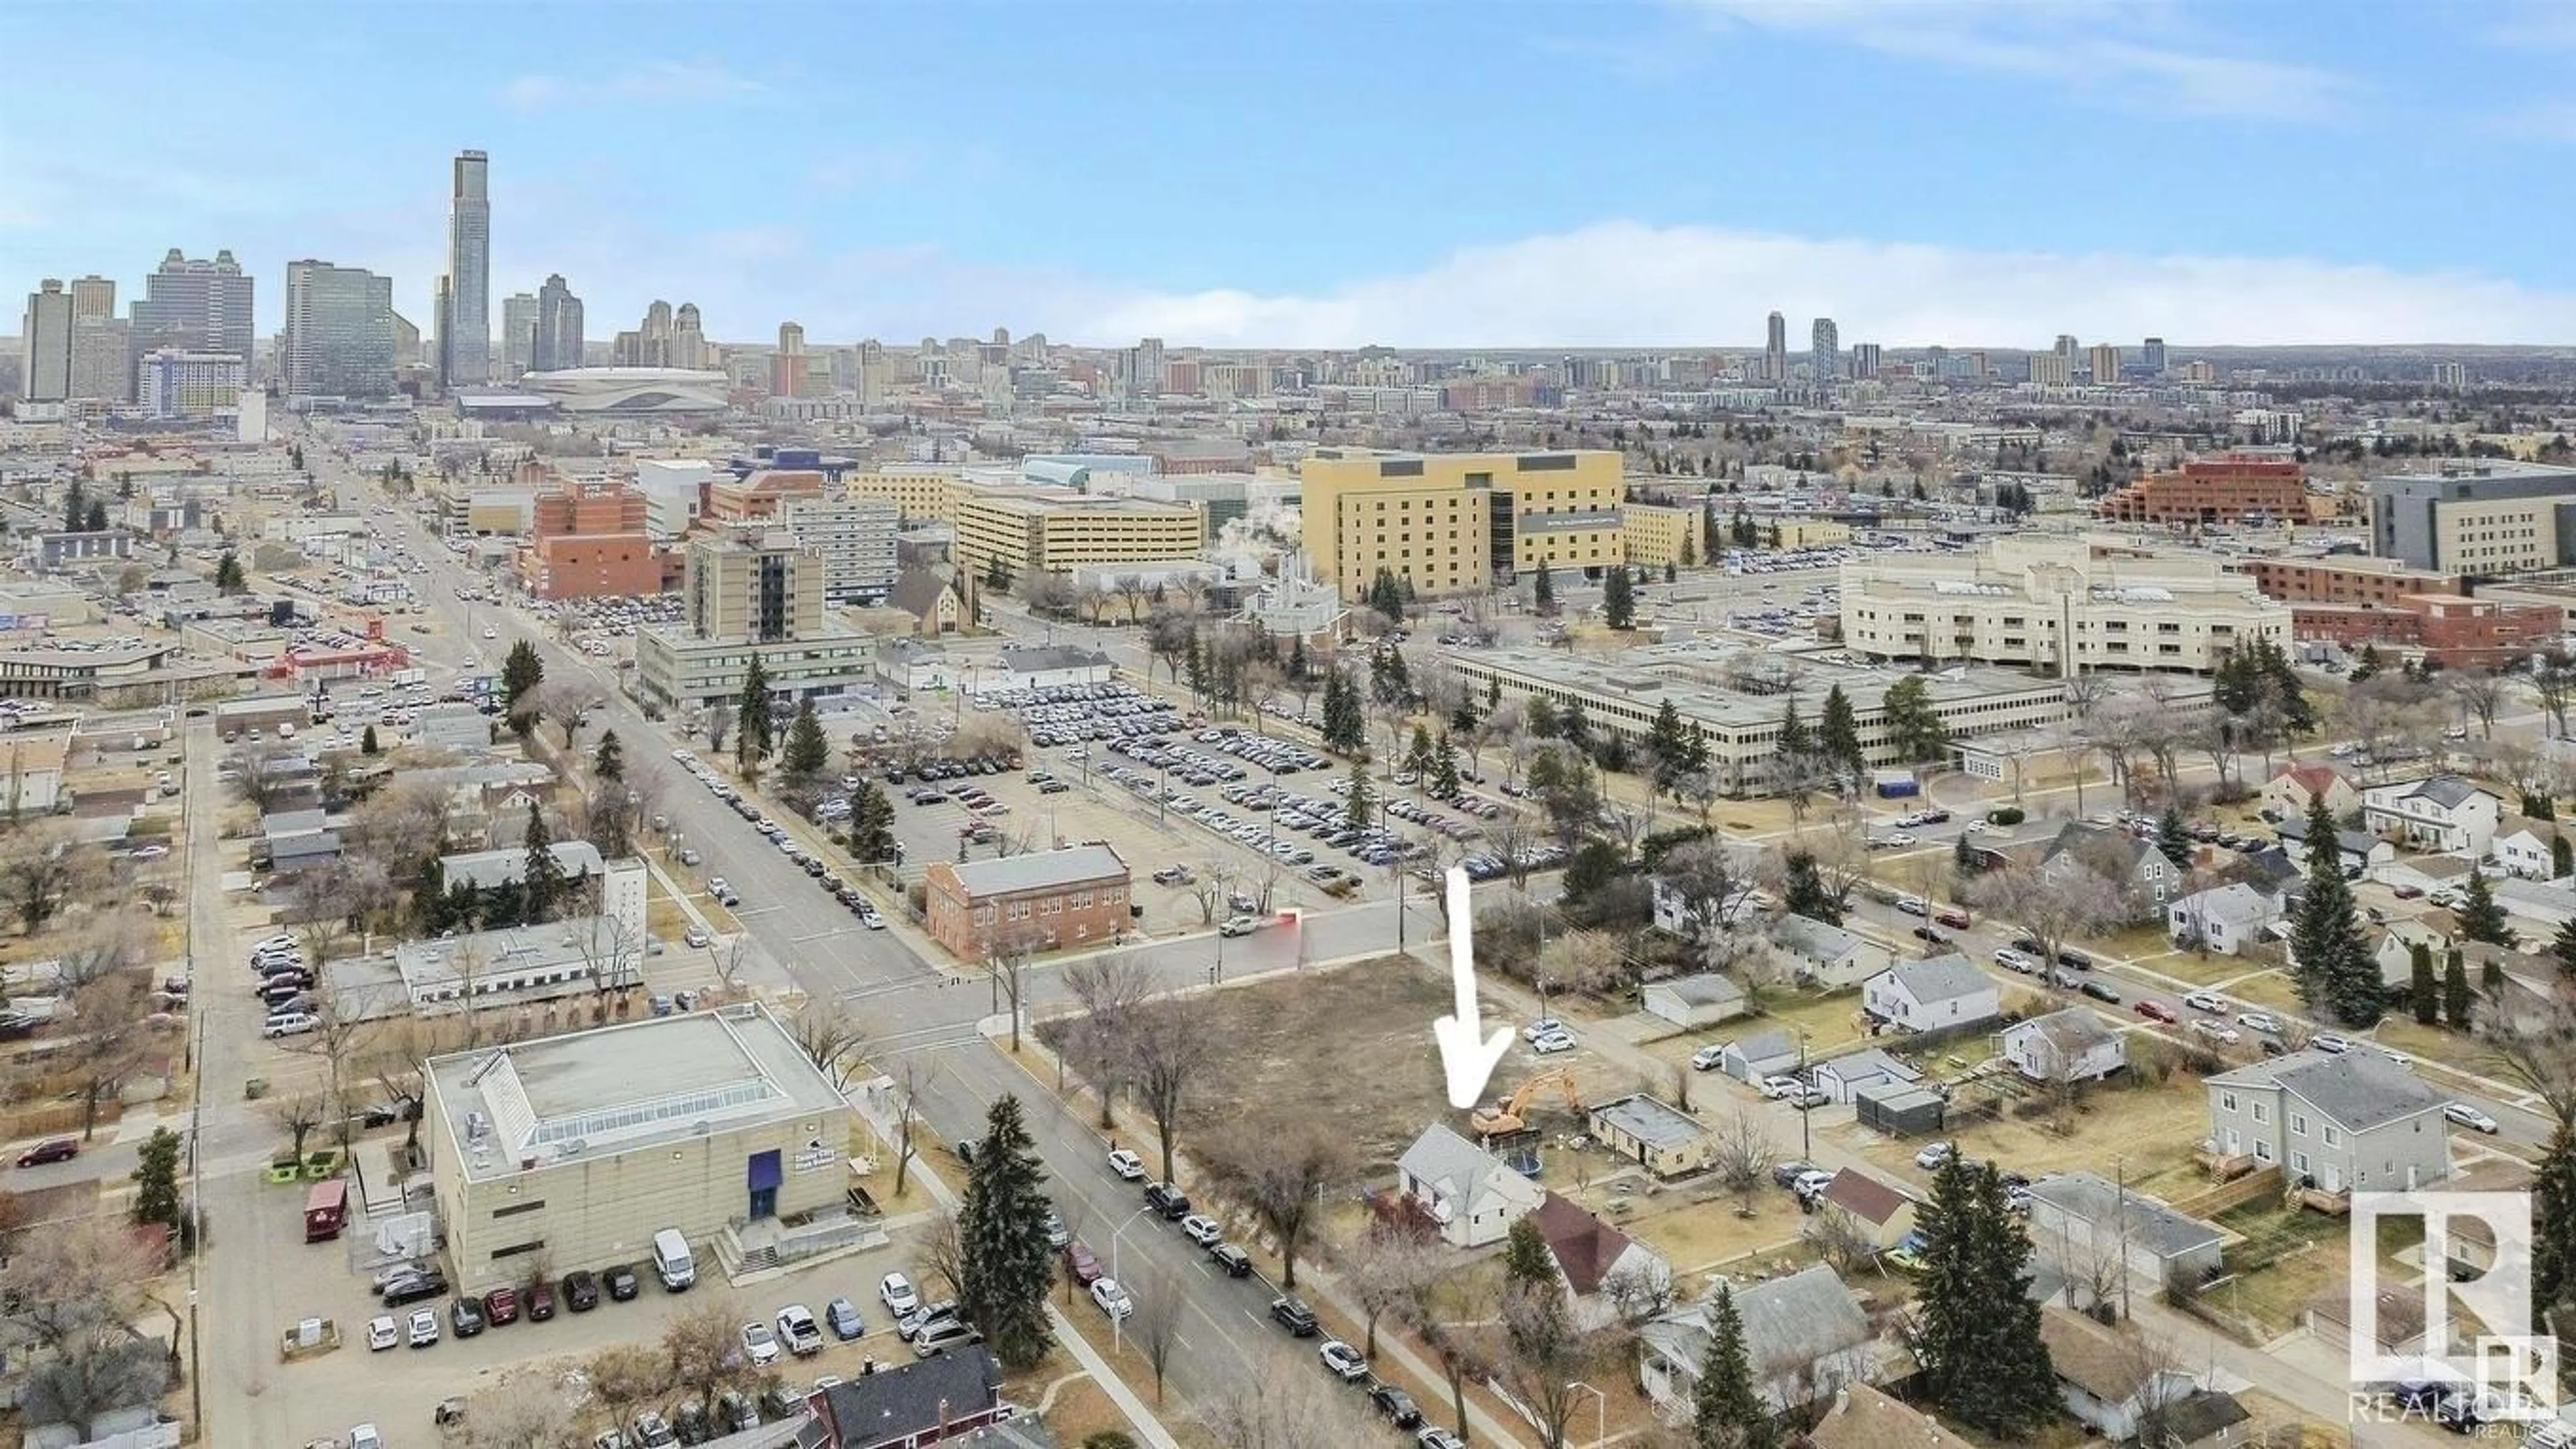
x=1464, y=1060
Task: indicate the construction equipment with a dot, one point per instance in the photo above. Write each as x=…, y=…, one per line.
x=1507, y=1115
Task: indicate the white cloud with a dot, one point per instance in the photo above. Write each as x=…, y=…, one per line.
x=1624, y=283
x=2145, y=57
x=661, y=81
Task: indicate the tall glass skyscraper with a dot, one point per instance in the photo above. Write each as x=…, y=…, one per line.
x=1824, y=353
x=558, y=340
x=465, y=342
x=195, y=306
x=339, y=331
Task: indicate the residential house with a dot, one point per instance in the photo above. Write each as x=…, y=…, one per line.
x=1662, y=1139
x=1804, y=1336
x=2227, y=919
x=1818, y=954
x=935, y=600
x=2138, y=871
x=1763, y=1054
x=2360, y=851
x=2548, y=904
x=2114, y=1383
x=2342, y=1121
x=1472, y=1195
x=1864, y=1418
x=2205, y=1419
x=508, y=866
x=2395, y=950
x=2070, y=1045
x=1674, y=915
x=1703, y=998
x=2081, y=1221
x=2290, y=792
x=1606, y=1273
x=1937, y=993
x=1881, y=1211
x=2524, y=848
x=2447, y=814
x=294, y=840
x=1844, y=1077
x=948, y=1396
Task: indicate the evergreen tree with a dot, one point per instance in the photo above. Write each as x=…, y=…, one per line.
x=1345, y=723
x=1794, y=739
x=1619, y=598
x=871, y=823
x=2173, y=842
x=751, y=730
x=1389, y=680
x=156, y=1181
x=1444, y=769
x=1540, y=712
x=1838, y=732
x=1912, y=722
x=807, y=752
x=1196, y=663
x=1726, y=1411
x=1665, y=736
x=2481, y=919
x=2455, y=993
x=2553, y=1229
x=1417, y=755
x=75, y=506
x=228, y=574
x=608, y=762
x=521, y=672
x=1672, y=571
x=1002, y=1240
x=1299, y=669
x=95, y=521
x=2423, y=988
x=2366, y=665
x=2334, y=969
x=541, y=878
x=1979, y=1344
x=1572, y=727
x=1357, y=802
x=1543, y=592
x=367, y=742
x=2563, y=946
x=2562, y=858
x=1527, y=1263
x=1806, y=894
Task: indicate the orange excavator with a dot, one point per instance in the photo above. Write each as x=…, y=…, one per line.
x=1509, y=1114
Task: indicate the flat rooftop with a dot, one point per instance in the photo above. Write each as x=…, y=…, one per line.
x=1701, y=677
x=624, y=1088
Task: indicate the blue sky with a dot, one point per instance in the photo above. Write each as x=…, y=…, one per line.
x=1326, y=172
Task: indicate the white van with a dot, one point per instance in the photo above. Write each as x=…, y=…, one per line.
x=672, y=1261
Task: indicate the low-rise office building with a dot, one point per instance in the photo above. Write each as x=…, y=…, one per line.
x=854, y=537
x=1032, y=531
x=920, y=493
x=573, y=1151
x=1035, y=902
x=2350, y=579
x=1453, y=523
x=2057, y=605
x=2214, y=491
x=1652, y=536
x=676, y=670
x=2480, y=517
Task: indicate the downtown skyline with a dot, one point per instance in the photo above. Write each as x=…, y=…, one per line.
x=1980, y=175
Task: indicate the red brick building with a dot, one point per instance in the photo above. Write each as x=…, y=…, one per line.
x=589, y=542
x=2213, y=490
x=2459, y=632
x=760, y=495
x=1040, y=901
x=2344, y=579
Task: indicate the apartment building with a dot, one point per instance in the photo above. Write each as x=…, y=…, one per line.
x=1652, y=536
x=920, y=494
x=2214, y=490
x=1033, y=902
x=1453, y=523
x=2055, y=605
x=750, y=599
x=1051, y=530
x=2478, y=518
x=855, y=539
x=760, y=494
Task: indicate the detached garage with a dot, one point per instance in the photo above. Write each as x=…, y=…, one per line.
x=1704, y=999
x=1899, y=1110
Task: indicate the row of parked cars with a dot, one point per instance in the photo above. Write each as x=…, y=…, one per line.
x=285, y=987
x=1291, y=1313
x=1066, y=714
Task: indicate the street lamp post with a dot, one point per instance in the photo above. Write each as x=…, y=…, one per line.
x=1600, y=1410
x=1117, y=1322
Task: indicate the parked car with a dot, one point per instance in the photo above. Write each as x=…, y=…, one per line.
x=1080, y=1263
x=621, y=1282
x=1168, y=1201
x=942, y=1336
x=2331, y=1043
x=422, y=1328
x=1934, y=1155
x=1201, y=1229
x=1111, y=1298
x=895, y=1292
x=2154, y=1010
x=2262, y=1021
x=1396, y=1405
x=52, y=1149
x=2209, y=1001
x=1342, y=1361
x=2217, y=1031
x=1292, y=1314
x=1127, y=1165
x=843, y=1316
x=759, y=1343
x=1786, y=1174
x=1708, y=1058
x=2471, y=1118
x=414, y=1288
x=466, y=1317
x=382, y=1333
x=1235, y=1262
x=500, y=1306
x=2100, y=991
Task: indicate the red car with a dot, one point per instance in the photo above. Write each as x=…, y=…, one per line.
x=501, y=1305
x=1078, y=1261
x=2157, y=1011
x=59, y=1149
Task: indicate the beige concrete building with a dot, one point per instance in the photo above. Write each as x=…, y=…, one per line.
x=1050, y=530
x=1456, y=523
x=740, y=589
x=1797, y=533
x=750, y=599
x=921, y=493
x=1652, y=536
x=2054, y=605
x=573, y=1151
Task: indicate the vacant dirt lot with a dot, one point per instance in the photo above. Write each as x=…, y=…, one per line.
x=1351, y=1049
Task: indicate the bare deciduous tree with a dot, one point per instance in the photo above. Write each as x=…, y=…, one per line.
x=1154, y=1319
x=2480, y=693
x=523, y=1416
x=74, y=1293
x=910, y=1080
x=828, y=1032
x=1285, y=1409
x=1109, y=990
x=1168, y=1045
x=1280, y=1174
x=298, y=1113
x=945, y=1248
x=1387, y=1269
x=702, y=1347
x=2055, y=907
x=1006, y=961
x=44, y=867
x=1740, y=1158
x=110, y=1018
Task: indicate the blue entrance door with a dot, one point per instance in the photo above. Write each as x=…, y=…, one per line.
x=764, y=1185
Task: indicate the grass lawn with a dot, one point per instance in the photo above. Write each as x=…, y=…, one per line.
x=2290, y=1256
x=2153, y=1128
x=1697, y=1236
x=2197, y=969
x=1829, y=1021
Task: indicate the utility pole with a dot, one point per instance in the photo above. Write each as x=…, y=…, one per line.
x=2120, y=1176
x=1806, y=1133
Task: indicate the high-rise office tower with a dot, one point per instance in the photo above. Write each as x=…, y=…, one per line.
x=2451, y=376
x=1824, y=352
x=442, y=323
x=102, y=366
x=1864, y=360
x=1775, y=349
x=2106, y=364
x=339, y=331
x=689, y=341
x=2153, y=354
x=195, y=306
x=2068, y=349
x=468, y=357
x=558, y=344
x=787, y=365
x=518, y=334
x=45, y=368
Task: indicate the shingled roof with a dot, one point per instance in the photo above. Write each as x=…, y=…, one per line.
x=1586, y=1248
